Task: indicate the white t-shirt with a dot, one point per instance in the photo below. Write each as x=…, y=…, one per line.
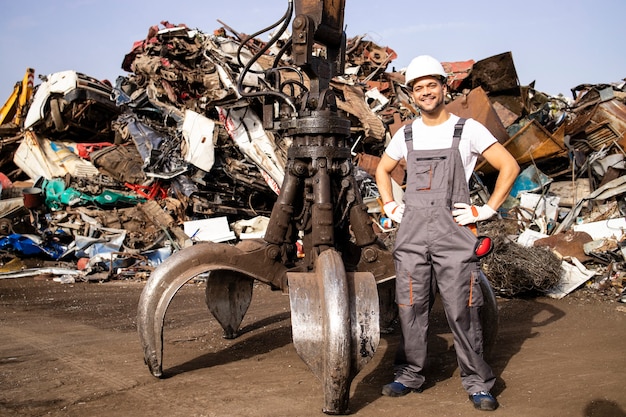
x=475, y=139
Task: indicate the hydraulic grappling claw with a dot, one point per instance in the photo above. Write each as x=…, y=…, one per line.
x=343, y=287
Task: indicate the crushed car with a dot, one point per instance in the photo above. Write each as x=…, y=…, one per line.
x=69, y=104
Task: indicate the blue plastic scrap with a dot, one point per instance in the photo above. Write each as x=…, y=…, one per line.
x=530, y=180
x=28, y=246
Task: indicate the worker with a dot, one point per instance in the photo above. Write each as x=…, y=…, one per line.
x=435, y=244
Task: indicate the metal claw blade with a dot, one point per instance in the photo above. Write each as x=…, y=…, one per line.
x=228, y=296
x=335, y=324
x=232, y=268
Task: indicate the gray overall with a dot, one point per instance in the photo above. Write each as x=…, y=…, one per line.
x=432, y=252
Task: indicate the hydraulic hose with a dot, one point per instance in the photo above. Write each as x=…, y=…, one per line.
x=285, y=21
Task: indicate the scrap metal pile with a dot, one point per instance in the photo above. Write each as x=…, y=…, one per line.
x=108, y=180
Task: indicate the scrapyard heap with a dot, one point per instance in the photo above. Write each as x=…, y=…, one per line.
x=111, y=179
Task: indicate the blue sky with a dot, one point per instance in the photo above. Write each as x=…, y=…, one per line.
x=556, y=43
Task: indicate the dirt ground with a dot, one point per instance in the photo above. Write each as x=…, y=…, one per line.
x=73, y=350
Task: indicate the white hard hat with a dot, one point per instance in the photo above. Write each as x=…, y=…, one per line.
x=422, y=66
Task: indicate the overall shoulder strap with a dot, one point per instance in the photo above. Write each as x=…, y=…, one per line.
x=408, y=132
x=458, y=131
x=408, y=136
x=456, y=138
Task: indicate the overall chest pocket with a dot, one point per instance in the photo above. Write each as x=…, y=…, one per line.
x=427, y=173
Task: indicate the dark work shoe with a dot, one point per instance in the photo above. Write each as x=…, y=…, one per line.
x=397, y=389
x=483, y=400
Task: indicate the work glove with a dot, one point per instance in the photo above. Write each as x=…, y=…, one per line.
x=466, y=214
x=394, y=211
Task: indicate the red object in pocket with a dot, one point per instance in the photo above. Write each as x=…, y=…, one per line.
x=483, y=246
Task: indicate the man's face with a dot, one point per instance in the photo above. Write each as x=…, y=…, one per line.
x=429, y=94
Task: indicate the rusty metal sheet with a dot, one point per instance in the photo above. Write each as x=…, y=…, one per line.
x=568, y=244
x=512, y=100
x=370, y=162
x=613, y=113
x=397, y=123
x=599, y=126
x=531, y=143
x=476, y=105
x=599, y=136
x=496, y=73
x=505, y=114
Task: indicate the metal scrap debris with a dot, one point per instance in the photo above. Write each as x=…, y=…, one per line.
x=173, y=144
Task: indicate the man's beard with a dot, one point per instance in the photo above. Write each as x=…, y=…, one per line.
x=436, y=108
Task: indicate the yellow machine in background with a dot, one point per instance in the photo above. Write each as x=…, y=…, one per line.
x=13, y=110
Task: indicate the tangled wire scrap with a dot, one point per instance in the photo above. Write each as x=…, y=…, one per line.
x=513, y=269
